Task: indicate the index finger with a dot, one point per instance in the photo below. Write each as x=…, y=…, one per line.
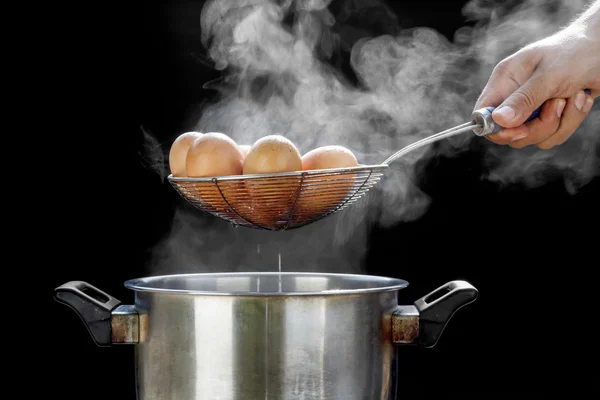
x=500, y=85
x=508, y=76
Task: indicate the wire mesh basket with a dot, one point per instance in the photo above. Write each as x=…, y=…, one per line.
x=281, y=201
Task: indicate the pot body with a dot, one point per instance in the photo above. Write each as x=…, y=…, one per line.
x=265, y=336
x=204, y=347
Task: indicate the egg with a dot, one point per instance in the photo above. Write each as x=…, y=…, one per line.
x=178, y=152
x=325, y=192
x=272, y=154
x=329, y=157
x=269, y=199
x=215, y=154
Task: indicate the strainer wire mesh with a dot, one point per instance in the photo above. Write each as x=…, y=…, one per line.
x=279, y=201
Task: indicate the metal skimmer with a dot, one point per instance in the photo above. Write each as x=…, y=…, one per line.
x=289, y=200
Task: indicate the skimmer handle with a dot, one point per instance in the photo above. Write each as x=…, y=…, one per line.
x=485, y=125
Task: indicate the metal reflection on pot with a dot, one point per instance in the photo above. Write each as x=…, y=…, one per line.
x=265, y=335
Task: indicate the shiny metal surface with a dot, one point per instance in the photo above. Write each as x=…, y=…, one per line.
x=266, y=284
x=466, y=127
x=236, y=336
x=484, y=123
x=265, y=335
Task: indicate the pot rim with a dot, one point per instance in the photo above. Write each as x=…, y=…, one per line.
x=381, y=284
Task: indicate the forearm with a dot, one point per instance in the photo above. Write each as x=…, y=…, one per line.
x=589, y=20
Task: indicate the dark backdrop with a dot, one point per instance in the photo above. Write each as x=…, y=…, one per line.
x=116, y=68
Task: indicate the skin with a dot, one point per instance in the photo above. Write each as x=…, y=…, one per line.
x=551, y=73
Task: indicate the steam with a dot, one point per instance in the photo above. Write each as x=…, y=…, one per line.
x=153, y=156
x=508, y=30
x=281, y=76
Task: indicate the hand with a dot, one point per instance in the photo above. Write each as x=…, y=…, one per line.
x=551, y=73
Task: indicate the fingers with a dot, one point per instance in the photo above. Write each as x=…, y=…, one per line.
x=577, y=108
x=542, y=128
x=507, y=76
x=558, y=120
x=495, y=92
x=519, y=106
x=536, y=130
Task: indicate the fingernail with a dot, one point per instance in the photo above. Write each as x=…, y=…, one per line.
x=505, y=112
x=588, y=104
x=560, y=107
x=580, y=100
x=519, y=137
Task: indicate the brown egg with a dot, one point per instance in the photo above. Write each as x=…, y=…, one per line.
x=270, y=200
x=272, y=154
x=325, y=192
x=215, y=154
x=329, y=157
x=178, y=152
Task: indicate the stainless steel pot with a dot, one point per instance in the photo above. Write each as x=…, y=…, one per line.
x=231, y=336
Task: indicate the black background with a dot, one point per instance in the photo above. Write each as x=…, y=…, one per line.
x=531, y=253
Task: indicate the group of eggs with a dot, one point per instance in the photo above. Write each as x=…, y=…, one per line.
x=214, y=154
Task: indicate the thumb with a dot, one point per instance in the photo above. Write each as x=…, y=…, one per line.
x=519, y=106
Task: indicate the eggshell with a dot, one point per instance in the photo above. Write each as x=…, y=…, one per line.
x=178, y=152
x=329, y=157
x=271, y=198
x=272, y=154
x=215, y=154
x=323, y=193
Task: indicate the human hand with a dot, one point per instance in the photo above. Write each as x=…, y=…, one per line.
x=550, y=73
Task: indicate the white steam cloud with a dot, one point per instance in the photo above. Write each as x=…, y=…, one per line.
x=280, y=78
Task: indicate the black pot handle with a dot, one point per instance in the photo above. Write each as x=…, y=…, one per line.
x=93, y=306
x=438, y=307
